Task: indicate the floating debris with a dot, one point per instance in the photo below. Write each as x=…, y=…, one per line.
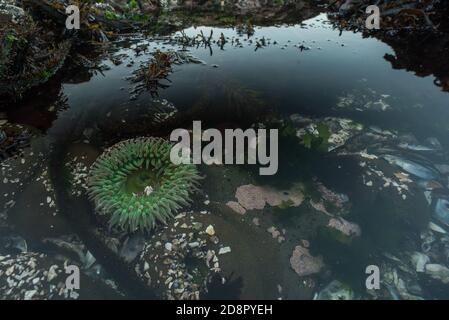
x=334, y=132
x=365, y=99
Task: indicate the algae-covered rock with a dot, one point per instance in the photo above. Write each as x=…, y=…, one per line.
x=29, y=55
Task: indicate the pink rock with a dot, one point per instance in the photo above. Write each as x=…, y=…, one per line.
x=250, y=197
x=274, y=232
x=305, y=243
x=348, y=228
x=303, y=263
x=330, y=196
x=255, y=197
x=276, y=197
x=236, y=207
x=319, y=206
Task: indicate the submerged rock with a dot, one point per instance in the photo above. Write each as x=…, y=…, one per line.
x=22, y=62
x=236, y=207
x=438, y=272
x=335, y=291
x=329, y=133
x=10, y=12
x=13, y=244
x=420, y=260
x=256, y=197
x=349, y=229
x=441, y=211
x=132, y=247
x=303, y=263
x=414, y=168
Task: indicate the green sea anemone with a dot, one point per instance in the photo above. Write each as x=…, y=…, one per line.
x=136, y=184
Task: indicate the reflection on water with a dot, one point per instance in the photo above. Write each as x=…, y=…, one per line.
x=367, y=193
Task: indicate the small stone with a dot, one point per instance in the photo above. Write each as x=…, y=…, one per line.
x=436, y=228
x=197, y=225
x=305, y=243
x=256, y=221
x=9, y=271
x=236, y=207
x=224, y=250
x=210, y=230
x=52, y=273
x=194, y=244
x=274, y=232
x=29, y=294
x=148, y=190
x=214, y=239
x=168, y=246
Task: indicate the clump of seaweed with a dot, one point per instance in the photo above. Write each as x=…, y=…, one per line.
x=149, y=76
x=13, y=138
x=28, y=56
x=137, y=185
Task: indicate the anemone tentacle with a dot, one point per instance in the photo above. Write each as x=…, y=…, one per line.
x=119, y=179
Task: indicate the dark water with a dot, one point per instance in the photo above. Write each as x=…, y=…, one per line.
x=238, y=86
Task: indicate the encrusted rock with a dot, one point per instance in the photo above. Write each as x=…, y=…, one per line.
x=304, y=263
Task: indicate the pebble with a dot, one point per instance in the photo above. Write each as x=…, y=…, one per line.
x=256, y=221
x=30, y=294
x=224, y=250
x=210, y=230
x=194, y=244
